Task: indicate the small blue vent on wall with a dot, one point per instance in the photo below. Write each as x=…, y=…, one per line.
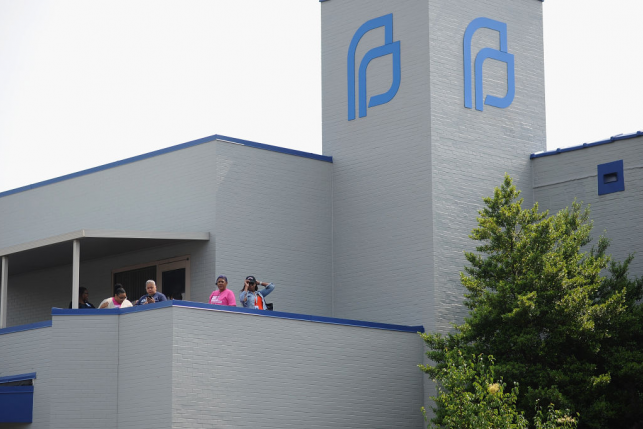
x=610, y=177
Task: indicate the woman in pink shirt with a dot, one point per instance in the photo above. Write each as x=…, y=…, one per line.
x=223, y=296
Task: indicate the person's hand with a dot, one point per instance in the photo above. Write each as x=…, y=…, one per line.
x=246, y=285
x=103, y=305
x=149, y=300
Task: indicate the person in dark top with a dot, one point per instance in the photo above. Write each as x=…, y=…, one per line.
x=83, y=297
x=152, y=295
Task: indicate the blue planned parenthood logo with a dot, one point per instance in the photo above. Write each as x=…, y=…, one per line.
x=389, y=48
x=500, y=55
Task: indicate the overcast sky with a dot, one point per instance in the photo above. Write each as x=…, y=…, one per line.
x=84, y=83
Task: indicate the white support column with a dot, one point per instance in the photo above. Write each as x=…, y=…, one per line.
x=75, y=278
x=4, y=282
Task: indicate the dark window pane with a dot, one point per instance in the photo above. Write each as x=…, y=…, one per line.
x=133, y=281
x=174, y=283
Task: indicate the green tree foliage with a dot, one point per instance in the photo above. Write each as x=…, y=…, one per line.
x=541, y=304
x=470, y=397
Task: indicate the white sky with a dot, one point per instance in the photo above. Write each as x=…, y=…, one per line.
x=87, y=82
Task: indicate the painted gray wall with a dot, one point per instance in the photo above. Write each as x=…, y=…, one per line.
x=382, y=192
x=84, y=357
x=184, y=367
x=145, y=369
x=245, y=371
x=410, y=176
x=558, y=179
x=472, y=150
x=25, y=352
x=272, y=220
x=275, y=224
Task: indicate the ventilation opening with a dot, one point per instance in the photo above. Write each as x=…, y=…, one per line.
x=610, y=178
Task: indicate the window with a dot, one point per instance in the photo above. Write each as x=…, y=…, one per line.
x=172, y=277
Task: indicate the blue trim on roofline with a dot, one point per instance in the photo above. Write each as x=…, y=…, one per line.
x=278, y=149
x=18, y=377
x=252, y=311
x=28, y=327
x=585, y=145
x=168, y=150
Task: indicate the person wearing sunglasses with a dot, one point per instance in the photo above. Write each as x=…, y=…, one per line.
x=250, y=297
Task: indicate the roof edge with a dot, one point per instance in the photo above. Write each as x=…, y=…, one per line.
x=249, y=311
x=586, y=145
x=170, y=149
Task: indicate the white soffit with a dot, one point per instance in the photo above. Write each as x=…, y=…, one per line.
x=107, y=234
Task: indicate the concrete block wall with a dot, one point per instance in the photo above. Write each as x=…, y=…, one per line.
x=145, y=369
x=274, y=214
x=558, y=179
x=245, y=371
x=275, y=223
x=25, y=352
x=84, y=357
x=410, y=176
x=472, y=150
x=180, y=367
x=382, y=191
x=153, y=194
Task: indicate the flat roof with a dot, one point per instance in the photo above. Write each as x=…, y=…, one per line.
x=586, y=145
x=215, y=137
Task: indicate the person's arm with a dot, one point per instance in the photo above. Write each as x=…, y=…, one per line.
x=244, y=293
x=243, y=297
x=269, y=288
x=232, y=300
x=103, y=304
x=161, y=297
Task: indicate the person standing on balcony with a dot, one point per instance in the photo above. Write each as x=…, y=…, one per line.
x=250, y=297
x=223, y=295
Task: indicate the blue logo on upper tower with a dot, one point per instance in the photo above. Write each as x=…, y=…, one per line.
x=389, y=48
x=500, y=55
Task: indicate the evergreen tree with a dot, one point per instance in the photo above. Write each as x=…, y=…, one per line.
x=540, y=304
x=470, y=397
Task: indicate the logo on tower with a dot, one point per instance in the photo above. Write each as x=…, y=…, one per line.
x=389, y=48
x=500, y=55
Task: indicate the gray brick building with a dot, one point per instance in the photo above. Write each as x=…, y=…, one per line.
x=426, y=105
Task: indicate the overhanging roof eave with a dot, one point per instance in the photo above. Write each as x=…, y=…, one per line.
x=99, y=233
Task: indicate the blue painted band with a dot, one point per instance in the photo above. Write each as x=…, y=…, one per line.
x=261, y=313
x=18, y=377
x=113, y=311
x=585, y=145
x=16, y=389
x=16, y=404
x=28, y=327
x=164, y=151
